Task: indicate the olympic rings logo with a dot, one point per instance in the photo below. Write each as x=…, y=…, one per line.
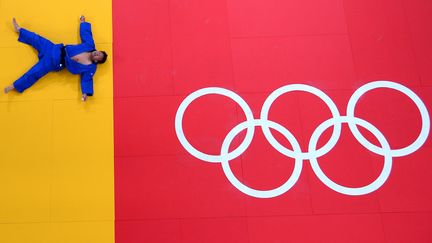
x=313, y=152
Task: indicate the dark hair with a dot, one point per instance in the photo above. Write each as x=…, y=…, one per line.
x=104, y=58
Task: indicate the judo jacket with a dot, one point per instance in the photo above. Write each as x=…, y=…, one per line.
x=86, y=71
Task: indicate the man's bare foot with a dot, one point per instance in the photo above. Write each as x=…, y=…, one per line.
x=16, y=26
x=9, y=88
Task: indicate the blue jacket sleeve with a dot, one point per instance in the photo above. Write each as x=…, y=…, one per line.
x=86, y=33
x=87, y=83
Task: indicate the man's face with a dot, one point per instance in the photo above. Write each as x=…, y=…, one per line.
x=97, y=56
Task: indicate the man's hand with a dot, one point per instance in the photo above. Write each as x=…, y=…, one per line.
x=84, y=97
x=82, y=18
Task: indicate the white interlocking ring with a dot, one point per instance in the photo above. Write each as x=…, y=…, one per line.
x=208, y=157
x=313, y=153
x=343, y=189
x=420, y=106
x=307, y=88
x=261, y=193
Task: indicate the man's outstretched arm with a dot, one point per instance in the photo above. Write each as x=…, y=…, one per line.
x=85, y=31
x=87, y=84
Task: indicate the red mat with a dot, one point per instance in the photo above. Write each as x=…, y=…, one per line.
x=164, y=50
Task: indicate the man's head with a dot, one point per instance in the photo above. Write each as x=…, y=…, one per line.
x=98, y=57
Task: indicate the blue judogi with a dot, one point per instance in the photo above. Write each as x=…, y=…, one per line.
x=51, y=59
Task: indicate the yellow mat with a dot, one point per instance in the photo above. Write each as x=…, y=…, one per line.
x=56, y=152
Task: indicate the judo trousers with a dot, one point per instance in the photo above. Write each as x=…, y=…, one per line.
x=50, y=59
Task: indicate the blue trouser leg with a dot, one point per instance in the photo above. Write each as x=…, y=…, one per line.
x=45, y=65
x=41, y=44
x=31, y=76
